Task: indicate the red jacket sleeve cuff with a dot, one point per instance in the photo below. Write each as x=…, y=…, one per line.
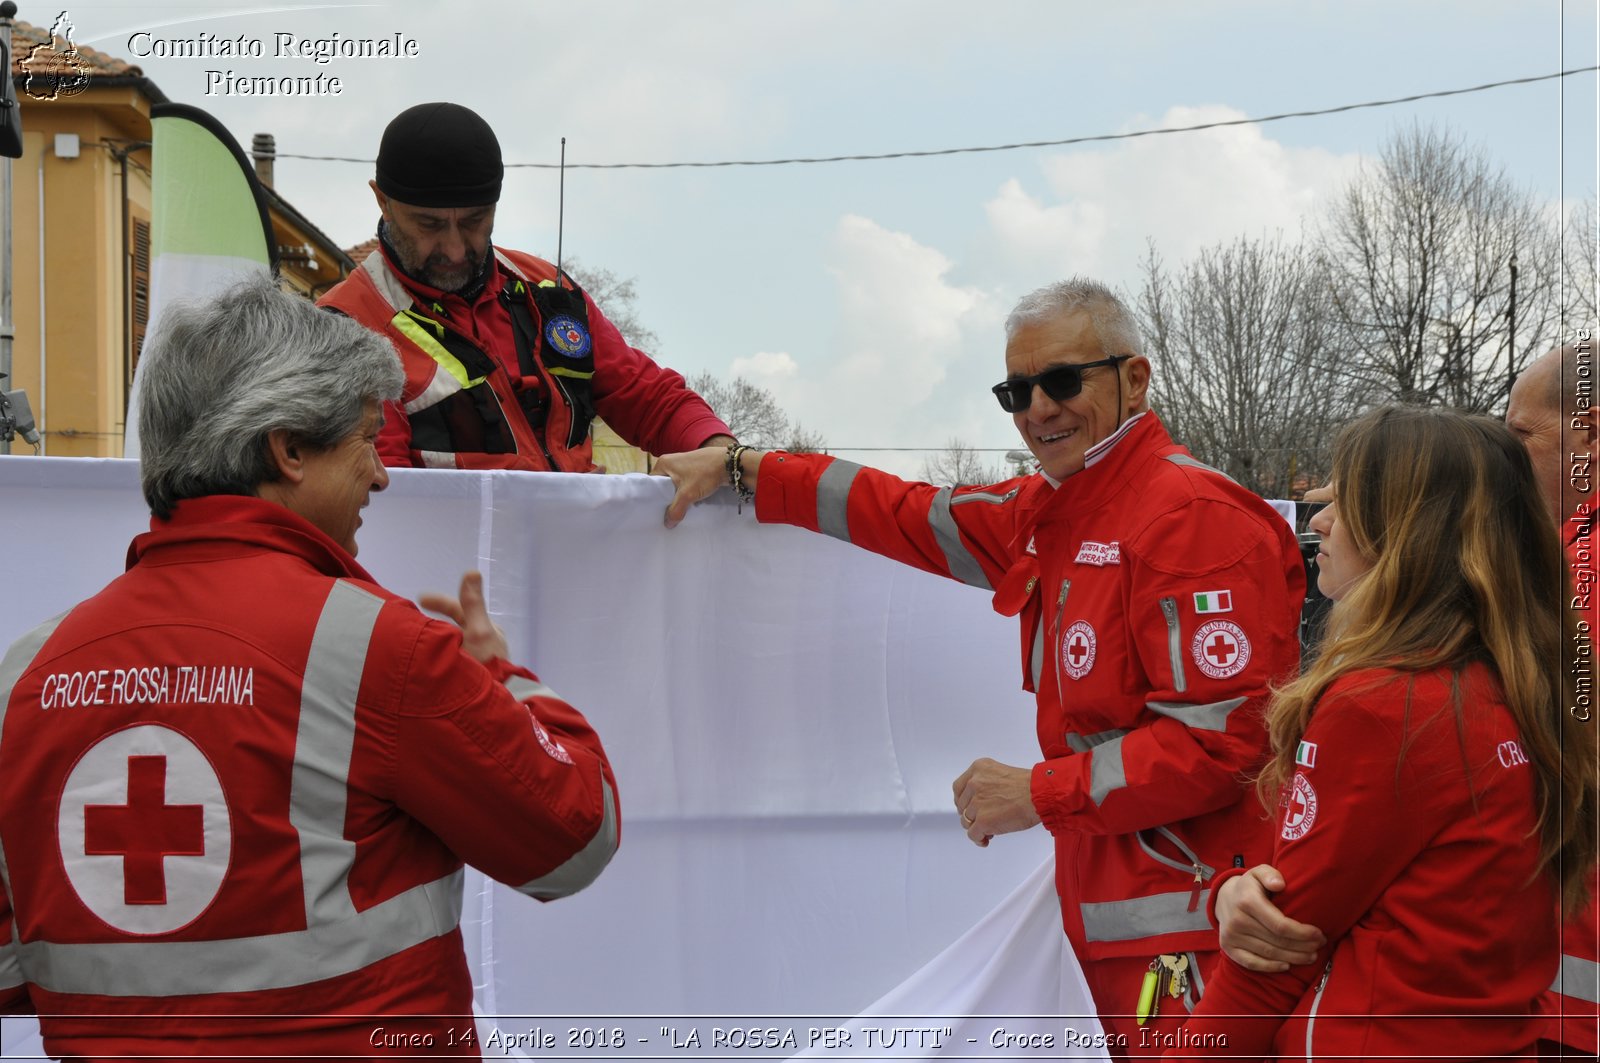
x=1216, y=885
x=1042, y=789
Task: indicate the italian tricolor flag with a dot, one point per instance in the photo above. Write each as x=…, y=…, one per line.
x=1214, y=602
x=1305, y=754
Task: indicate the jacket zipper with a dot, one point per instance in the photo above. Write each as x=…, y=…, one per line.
x=1169, y=609
x=1061, y=610
x=1311, y=1017
x=1202, y=870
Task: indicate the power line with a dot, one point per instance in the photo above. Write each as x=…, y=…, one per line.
x=1097, y=138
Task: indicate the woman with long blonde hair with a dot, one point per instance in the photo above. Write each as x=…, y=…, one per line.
x=1433, y=793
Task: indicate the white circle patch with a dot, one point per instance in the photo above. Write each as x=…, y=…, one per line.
x=1220, y=648
x=1301, y=810
x=144, y=830
x=1078, y=649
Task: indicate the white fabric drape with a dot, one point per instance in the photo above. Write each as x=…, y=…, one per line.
x=785, y=714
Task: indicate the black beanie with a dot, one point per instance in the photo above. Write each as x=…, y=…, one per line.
x=440, y=155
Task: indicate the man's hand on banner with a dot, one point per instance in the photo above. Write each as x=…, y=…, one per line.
x=994, y=798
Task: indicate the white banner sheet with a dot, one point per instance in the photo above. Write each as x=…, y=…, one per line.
x=785, y=714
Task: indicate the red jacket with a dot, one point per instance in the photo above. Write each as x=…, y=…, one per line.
x=1157, y=599
x=462, y=403
x=243, y=778
x=1574, y=998
x=1415, y=850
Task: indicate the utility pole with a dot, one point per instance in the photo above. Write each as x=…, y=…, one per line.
x=7, y=325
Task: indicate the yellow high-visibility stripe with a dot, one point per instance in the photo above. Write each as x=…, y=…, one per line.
x=412, y=329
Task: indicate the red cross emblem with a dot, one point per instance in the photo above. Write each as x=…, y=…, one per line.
x=1220, y=648
x=144, y=831
x=1078, y=649
x=1301, y=811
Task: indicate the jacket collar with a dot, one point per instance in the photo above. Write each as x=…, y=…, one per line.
x=228, y=522
x=1110, y=466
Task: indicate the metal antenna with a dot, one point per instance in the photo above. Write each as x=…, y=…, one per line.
x=561, y=206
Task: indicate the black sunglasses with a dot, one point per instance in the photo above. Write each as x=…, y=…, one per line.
x=1060, y=382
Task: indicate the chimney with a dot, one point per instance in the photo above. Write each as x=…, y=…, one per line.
x=264, y=149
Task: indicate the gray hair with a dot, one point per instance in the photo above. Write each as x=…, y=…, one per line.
x=1113, y=324
x=220, y=376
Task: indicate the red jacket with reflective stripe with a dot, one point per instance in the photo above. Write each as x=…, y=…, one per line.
x=1573, y=1001
x=243, y=779
x=1157, y=601
x=1413, y=847
x=649, y=406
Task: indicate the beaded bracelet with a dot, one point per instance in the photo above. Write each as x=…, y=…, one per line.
x=736, y=474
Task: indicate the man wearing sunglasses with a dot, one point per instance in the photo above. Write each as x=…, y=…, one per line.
x=1157, y=599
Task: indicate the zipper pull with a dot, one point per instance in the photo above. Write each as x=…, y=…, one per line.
x=1194, y=890
x=1326, y=971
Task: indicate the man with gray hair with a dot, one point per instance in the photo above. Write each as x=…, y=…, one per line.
x=1158, y=600
x=238, y=785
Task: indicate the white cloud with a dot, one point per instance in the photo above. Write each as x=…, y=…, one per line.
x=1181, y=191
x=765, y=368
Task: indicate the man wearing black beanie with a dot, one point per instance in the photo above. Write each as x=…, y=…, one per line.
x=507, y=363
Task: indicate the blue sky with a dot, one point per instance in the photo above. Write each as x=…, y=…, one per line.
x=869, y=296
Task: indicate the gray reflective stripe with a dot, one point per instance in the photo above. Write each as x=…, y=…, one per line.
x=1083, y=743
x=1106, y=772
x=985, y=496
x=522, y=687
x=1193, y=463
x=1212, y=716
x=963, y=566
x=437, y=459
x=1036, y=663
x=319, y=785
x=1578, y=978
x=10, y=966
x=441, y=387
x=240, y=965
x=833, y=496
x=584, y=867
x=509, y=266
x=1140, y=917
x=19, y=656
x=388, y=285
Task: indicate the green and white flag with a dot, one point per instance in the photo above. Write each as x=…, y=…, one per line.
x=209, y=227
x=1213, y=602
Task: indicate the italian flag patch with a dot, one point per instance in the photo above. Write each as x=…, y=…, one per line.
x=1305, y=754
x=1213, y=602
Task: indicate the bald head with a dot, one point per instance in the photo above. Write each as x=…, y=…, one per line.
x=1552, y=412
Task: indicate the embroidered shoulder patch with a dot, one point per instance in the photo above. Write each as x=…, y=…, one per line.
x=1301, y=811
x=567, y=335
x=556, y=750
x=1220, y=648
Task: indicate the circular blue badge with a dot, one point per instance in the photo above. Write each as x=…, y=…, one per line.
x=567, y=335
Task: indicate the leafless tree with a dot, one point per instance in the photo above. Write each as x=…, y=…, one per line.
x=753, y=413
x=617, y=297
x=802, y=440
x=959, y=465
x=1245, y=373
x=1419, y=248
